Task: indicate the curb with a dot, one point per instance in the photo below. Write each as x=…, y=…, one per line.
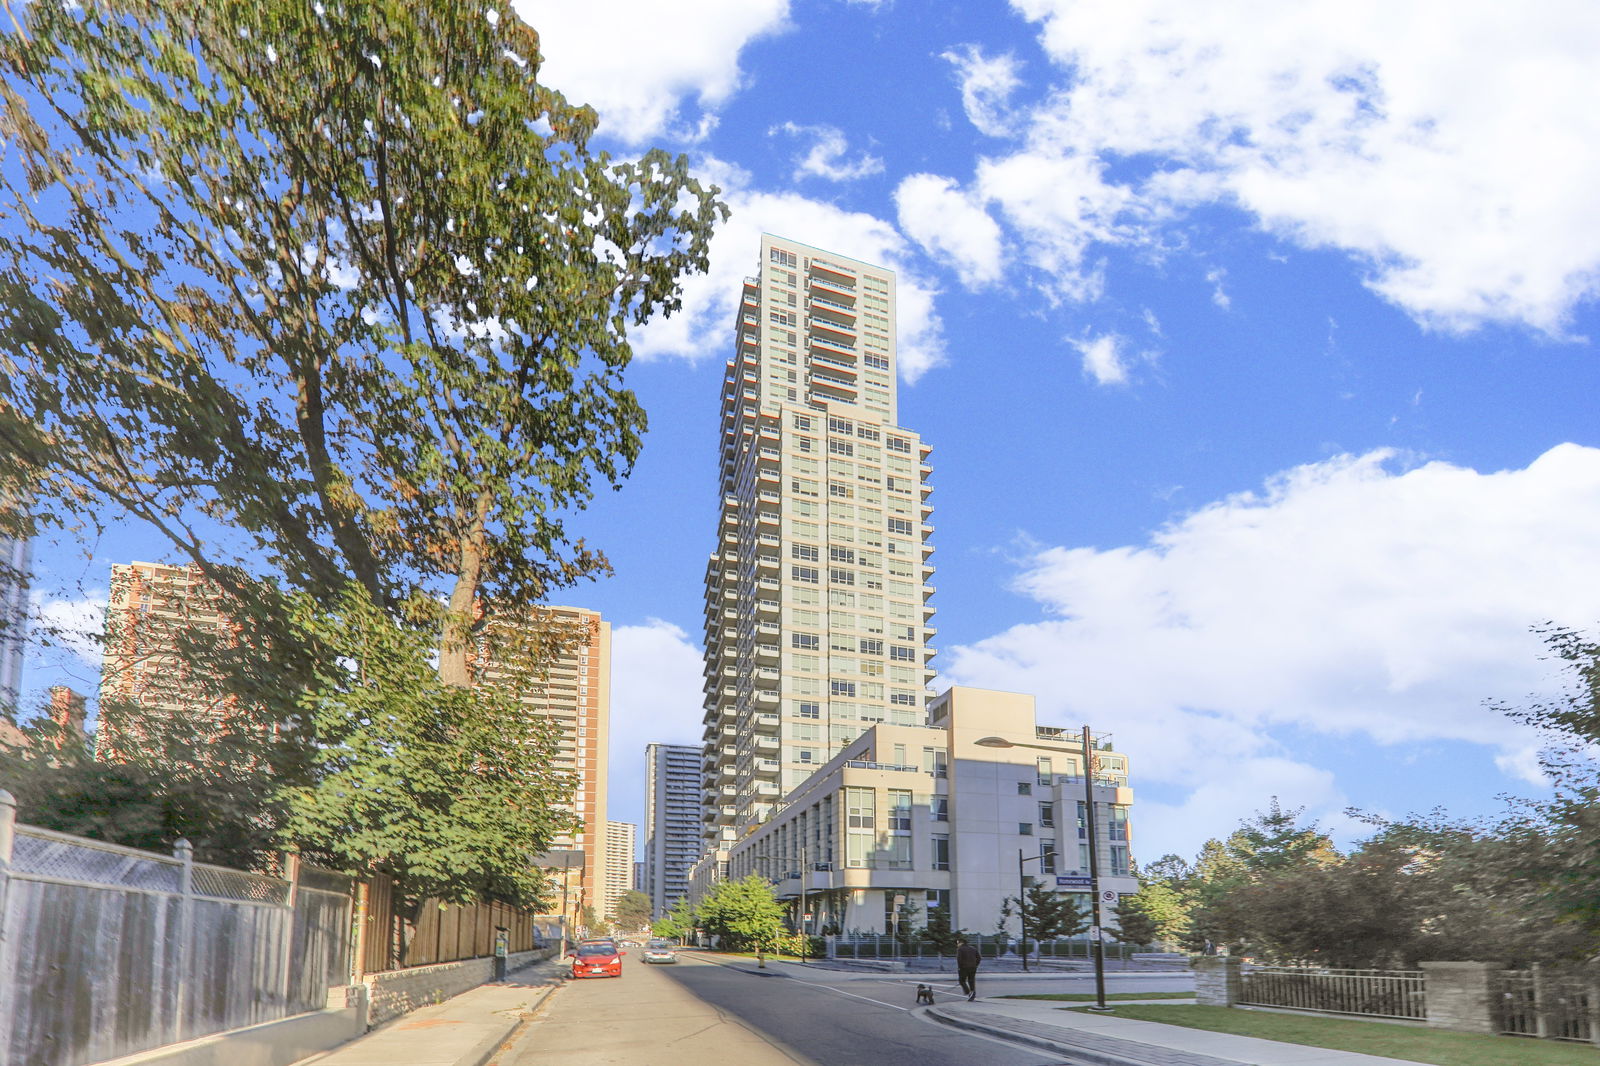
x=1077, y=1052
x=490, y=1046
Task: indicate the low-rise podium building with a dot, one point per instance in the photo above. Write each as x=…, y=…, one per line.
x=929, y=815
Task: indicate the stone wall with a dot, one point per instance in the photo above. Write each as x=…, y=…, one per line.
x=1217, y=980
x=397, y=992
x=1461, y=995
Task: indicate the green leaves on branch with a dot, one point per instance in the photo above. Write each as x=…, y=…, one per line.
x=343, y=278
x=450, y=790
x=744, y=914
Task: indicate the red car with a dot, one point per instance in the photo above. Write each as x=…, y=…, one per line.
x=598, y=958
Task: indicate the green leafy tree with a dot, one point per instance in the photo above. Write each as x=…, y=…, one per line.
x=1050, y=914
x=1134, y=922
x=1165, y=897
x=218, y=806
x=449, y=790
x=743, y=914
x=345, y=278
x=679, y=922
x=347, y=281
x=937, y=932
x=633, y=910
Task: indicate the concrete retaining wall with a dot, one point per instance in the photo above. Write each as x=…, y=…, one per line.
x=397, y=992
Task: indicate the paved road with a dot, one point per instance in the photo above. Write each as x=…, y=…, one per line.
x=715, y=1014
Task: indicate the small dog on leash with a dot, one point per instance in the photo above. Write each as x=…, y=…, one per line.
x=924, y=995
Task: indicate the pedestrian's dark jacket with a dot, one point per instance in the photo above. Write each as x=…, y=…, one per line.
x=968, y=957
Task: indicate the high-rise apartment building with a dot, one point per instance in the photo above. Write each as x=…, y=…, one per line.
x=15, y=562
x=621, y=840
x=817, y=618
x=151, y=606
x=572, y=688
x=671, y=822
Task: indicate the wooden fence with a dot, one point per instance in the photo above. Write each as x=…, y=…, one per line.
x=106, y=951
x=391, y=940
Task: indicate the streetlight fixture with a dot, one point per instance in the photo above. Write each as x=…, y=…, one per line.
x=1094, y=857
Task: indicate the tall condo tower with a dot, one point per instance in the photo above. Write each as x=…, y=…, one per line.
x=14, y=566
x=573, y=689
x=671, y=822
x=817, y=618
x=620, y=838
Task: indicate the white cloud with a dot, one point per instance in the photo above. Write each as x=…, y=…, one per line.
x=1451, y=153
x=76, y=625
x=987, y=83
x=946, y=222
x=650, y=69
x=704, y=326
x=655, y=698
x=826, y=156
x=1219, y=295
x=1350, y=597
x=1104, y=358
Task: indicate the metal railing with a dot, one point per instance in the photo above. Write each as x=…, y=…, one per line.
x=1372, y=993
x=1554, y=1003
x=883, y=946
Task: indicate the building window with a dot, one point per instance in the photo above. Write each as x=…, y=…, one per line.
x=841, y=577
x=897, y=444
x=807, y=552
x=871, y=647
x=900, y=525
x=807, y=574
x=1083, y=820
x=839, y=425
x=783, y=258
x=806, y=755
x=936, y=762
x=1025, y=828
x=1047, y=814
x=939, y=899
x=939, y=808
x=901, y=654
x=1045, y=776
x=1024, y=788
x=941, y=852
x=840, y=492
x=840, y=447
x=1119, y=860
x=899, y=810
x=902, y=697
x=866, y=432
x=809, y=710
x=841, y=555
x=804, y=487
x=1047, y=853
x=809, y=641
x=842, y=688
x=1117, y=823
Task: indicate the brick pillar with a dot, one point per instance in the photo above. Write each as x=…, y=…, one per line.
x=1217, y=980
x=1462, y=995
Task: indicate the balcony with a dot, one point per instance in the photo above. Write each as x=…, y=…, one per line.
x=835, y=290
x=825, y=344
x=768, y=723
x=843, y=309
x=767, y=651
x=842, y=330
x=828, y=269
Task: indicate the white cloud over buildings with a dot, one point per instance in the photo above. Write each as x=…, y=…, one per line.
x=1357, y=596
x=704, y=326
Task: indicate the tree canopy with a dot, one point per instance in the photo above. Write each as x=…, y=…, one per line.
x=336, y=298
x=345, y=278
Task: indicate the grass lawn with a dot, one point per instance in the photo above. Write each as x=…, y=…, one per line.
x=1416, y=1044
x=1088, y=997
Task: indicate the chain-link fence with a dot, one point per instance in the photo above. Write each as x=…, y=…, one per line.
x=106, y=951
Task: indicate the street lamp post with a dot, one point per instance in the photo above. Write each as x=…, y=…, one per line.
x=1022, y=903
x=1094, y=862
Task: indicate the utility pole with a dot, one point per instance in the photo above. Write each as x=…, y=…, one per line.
x=1094, y=873
x=1022, y=908
x=805, y=931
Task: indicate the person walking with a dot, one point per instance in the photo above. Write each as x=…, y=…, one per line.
x=967, y=959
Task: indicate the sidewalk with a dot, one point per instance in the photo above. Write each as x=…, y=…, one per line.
x=1106, y=1040
x=464, y=1031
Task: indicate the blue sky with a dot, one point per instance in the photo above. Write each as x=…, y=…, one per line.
x=1253, y=341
